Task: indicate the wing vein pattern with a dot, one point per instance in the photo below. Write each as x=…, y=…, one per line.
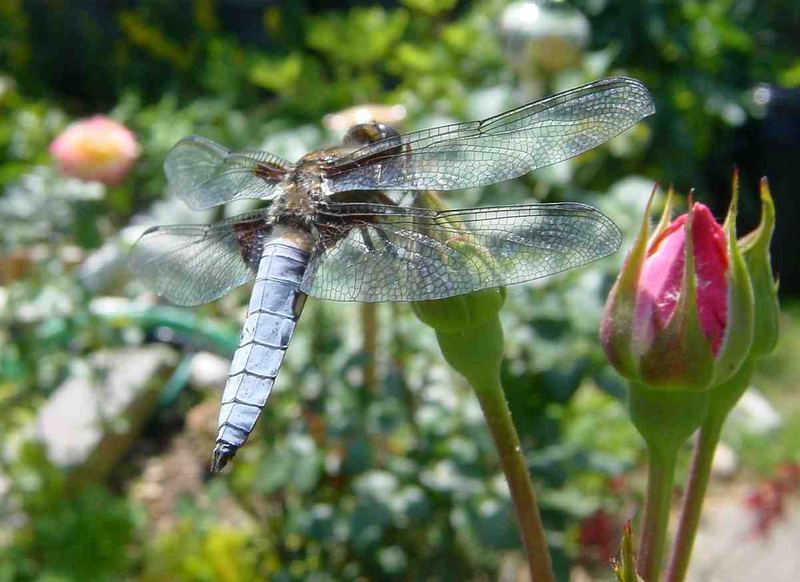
x=194, y=264
x=511, y=144
x=205, y=174
x=371, y=252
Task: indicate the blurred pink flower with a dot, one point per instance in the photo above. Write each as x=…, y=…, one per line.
x=97, y=148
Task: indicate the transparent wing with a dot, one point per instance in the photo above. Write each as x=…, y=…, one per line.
x=508, y=145
x=205, y=174
x=194, y=264
x=369, y=252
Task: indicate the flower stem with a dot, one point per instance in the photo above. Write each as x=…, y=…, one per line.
x=470, y=336
x=498, y=417
x=722, y=399
x=693, y=500
x=660, y=478
x=666, y=419
x=369, y=329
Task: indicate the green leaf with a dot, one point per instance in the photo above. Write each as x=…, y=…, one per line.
x=277, y=74
x=430, y=7
x=377, y=31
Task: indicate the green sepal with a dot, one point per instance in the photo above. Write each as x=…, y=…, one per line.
x=680, y=356
x=430, y=200
x=755, y=249
x=618, y=321
x=739, y=328
x=666, y=215
x=625, y=567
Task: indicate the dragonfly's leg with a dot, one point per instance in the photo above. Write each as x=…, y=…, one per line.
x=389, y=246
x=366, y=237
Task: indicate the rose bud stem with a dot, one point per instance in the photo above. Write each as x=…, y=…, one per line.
x=679, y=324
x=475, y=350
x=722, y=400
x=667, y=414
x=666, y=420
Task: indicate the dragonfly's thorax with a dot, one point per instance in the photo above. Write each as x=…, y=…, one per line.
x=298, y=205
x=304, y=189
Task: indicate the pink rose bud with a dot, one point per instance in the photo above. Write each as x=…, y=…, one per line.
x=680, y=315
x=662, y=277
x=97, y=148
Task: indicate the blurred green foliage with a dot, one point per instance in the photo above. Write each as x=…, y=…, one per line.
x=340, y=483
x=762, y=451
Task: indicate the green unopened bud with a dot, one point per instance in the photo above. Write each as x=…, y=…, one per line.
x=468, y=326
x=454, y=314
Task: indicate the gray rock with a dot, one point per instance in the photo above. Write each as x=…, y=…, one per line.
x=209, y=371
x=93, y=417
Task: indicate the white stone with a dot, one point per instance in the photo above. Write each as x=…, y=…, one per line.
x=755, y=413
x=74, y=421
x=725, y=463
x=208, y=371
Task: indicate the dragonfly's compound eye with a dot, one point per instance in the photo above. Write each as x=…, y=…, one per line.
x=366, y=133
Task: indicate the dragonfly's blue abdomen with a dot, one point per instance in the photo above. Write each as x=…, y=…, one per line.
x=272, y=314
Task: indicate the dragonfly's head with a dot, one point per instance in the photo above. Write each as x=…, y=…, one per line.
x=367, y=133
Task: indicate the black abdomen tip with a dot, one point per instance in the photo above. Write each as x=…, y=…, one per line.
x=223, y=453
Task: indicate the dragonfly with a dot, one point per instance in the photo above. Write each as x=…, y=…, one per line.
x=337, y=224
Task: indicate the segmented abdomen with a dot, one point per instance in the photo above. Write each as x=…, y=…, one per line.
x=273, y=311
